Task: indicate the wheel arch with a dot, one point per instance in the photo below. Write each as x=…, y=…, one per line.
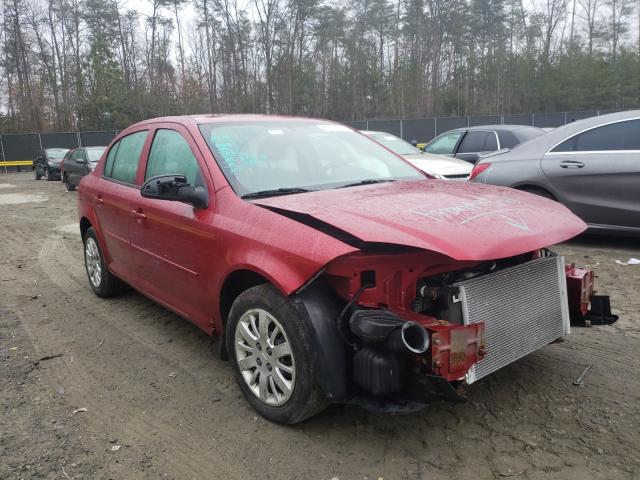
x=85, y=224
x=318, y=307
x=234, y=284
x=532, y=187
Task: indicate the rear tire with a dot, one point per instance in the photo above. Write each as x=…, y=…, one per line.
x=103, y=283
x=276, y=370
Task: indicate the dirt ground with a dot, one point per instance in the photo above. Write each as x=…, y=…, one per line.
x=159, y=404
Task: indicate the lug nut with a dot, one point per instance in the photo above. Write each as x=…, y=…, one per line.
x=259, y=362
x=269, y=351
x=259, y=347
x=269, y=367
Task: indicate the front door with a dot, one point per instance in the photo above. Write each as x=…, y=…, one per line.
x=174, y=252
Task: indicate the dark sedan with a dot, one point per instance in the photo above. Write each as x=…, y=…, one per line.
x=592, y=166
x=47, y=163
x=79, y=163
x=469, y=142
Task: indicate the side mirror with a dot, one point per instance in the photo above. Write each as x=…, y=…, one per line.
x=176, y=188
x=81, y=160
x=470, y=157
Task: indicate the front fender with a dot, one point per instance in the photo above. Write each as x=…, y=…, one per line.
x=319, y=308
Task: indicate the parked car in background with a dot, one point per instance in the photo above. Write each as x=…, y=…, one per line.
x=469, y=143
x=330, y=269
x=438, y=166
x=592, y=166
x=78, y=163
x=47, y=163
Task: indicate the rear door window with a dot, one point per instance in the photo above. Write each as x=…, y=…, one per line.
x=170, y=154
x=474, y=142
x=124, y=156
x=616, y=136
x=445, y=144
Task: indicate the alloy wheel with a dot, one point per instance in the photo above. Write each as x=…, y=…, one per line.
x=264, y=357
x=92, y=261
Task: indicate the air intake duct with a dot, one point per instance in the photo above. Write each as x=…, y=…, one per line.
x=388, y=331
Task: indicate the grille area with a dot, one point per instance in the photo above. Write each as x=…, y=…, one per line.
x=524, y=308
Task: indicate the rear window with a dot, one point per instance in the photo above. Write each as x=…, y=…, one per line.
x=124, y=156
x=616, y=136
x=94, y=153
x=56, y=153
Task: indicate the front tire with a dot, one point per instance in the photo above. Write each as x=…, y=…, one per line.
x=36, y=173
x=103, y=283
x=270, y=350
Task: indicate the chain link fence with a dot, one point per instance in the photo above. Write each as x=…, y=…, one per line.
x=25, y=147
x=425, y=129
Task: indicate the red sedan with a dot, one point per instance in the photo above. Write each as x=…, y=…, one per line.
x=330, y=269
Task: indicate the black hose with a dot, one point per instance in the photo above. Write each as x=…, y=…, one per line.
x=340, y=320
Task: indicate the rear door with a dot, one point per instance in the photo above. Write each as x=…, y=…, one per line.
x=174, y=254
x=476, y=142
x=72, y=166
x=597, y=172
x=116, y=196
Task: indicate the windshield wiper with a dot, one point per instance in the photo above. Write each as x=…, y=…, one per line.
x=368, y=181
x=275, y=192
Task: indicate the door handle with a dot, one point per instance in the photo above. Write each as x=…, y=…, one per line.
x=138, y=214
x=571, y=164
x=99, y=200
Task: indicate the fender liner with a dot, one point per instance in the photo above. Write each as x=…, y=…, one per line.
x=319, y=307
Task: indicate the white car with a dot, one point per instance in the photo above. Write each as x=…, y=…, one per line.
x=439, y=166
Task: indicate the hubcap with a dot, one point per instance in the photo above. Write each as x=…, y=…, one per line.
x=92, y=261
x=264, y=356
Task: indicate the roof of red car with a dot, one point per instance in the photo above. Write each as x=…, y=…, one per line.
x=219, y=117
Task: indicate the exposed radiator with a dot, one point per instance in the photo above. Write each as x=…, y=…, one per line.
x=524, y=308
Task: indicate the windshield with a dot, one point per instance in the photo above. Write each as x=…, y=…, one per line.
x=395, y=144
x=94, y=153
x=56, y=153
x=295, y=154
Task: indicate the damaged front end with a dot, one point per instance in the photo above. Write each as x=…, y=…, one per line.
x=410, y=327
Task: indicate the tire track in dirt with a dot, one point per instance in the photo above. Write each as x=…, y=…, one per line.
x=107, y=408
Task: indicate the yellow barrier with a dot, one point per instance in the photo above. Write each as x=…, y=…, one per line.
x=17, y=163
x=421, y=146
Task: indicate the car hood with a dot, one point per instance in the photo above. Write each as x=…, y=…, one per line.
x=439, y=164
x=461, y=220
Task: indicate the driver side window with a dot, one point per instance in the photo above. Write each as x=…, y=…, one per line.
x=170, y=154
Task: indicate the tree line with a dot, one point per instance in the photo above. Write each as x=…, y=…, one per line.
x=95, y=64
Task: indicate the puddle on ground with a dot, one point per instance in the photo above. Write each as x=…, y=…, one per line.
x=17, y=198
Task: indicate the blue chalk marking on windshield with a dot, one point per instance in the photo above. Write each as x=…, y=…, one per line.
x=234, y=159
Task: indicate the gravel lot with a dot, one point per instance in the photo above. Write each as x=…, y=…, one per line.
x=151, y=385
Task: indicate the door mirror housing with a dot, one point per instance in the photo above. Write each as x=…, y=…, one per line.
x=469, y=157
x=175, y=188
